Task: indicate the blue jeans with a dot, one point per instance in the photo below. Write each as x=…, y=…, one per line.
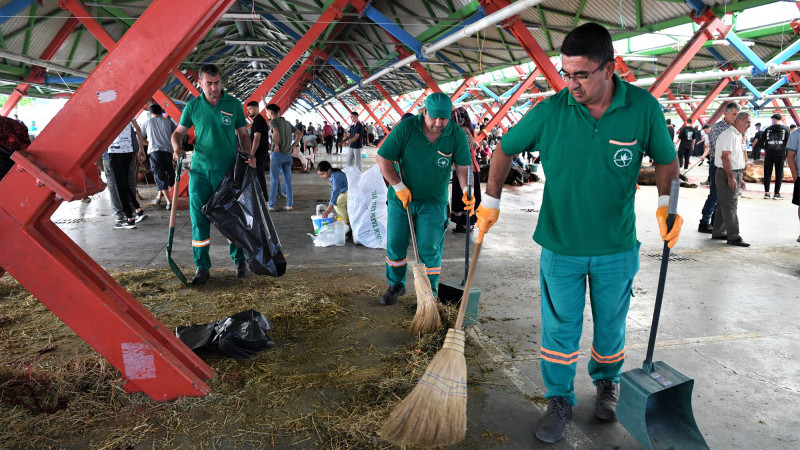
x=280, y=163
x=711, y=201
x=563, y=280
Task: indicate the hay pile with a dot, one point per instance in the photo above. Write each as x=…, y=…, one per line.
x=339, y=367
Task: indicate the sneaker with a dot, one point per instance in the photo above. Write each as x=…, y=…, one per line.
x=124, y=225
x=241, y=269
x=705, y=183
x=201, y=276
x=140, y=216
x=156, y=201
x=606, y=403
x=168, y=207
x=766, y=195
x=550, y=428
x=705, y=228
x=392, y=294
x=777, y=197
x=288, y=208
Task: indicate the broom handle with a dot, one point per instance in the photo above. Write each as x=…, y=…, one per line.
x=175, y=188
x=413, y=237
x=468, y=224
x=662, y=277
x=465, y=296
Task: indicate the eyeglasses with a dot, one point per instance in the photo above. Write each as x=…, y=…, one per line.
x=580, y=76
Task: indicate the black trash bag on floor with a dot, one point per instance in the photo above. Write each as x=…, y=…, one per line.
x=239, y=211
x=241, y=335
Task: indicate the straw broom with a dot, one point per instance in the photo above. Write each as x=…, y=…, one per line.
x=426, y=319
x=435, y=412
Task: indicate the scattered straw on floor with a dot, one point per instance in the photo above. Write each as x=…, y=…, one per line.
x=339, y=368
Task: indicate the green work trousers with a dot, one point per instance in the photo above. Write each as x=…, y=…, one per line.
x=563, y=280
x=202, y=184
x=430, y=225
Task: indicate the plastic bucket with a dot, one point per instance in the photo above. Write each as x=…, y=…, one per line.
x=319, y=222
x=364, y=154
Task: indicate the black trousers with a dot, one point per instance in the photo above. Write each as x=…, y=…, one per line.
x=774, y=160
x=328, y=144
x=120, y=164
x=262, y=159
x=683, y=156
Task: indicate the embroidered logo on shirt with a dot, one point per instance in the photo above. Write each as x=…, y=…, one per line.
x=442, y=161
x=226, y=118
x=623, y=157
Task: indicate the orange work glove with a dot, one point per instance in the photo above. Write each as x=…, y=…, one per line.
x=670, y=238
x=487, y=213
x=403, y=193
x=469, y=203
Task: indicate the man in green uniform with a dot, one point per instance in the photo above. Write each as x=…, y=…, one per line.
x=424, y=147
x=217, y=119
x=591, y=138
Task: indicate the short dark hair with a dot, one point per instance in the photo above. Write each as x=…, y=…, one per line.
x=590, y=40
x=354, y=114
x=156, y=109
x=669, y=121
x=758, y=124
x=273, y=107
x=252, y=103
x=208, y=69
x=325, y=166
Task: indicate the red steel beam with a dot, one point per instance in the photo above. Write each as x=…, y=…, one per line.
x=713, y=94
x=369, y=111
x=710, y=25
x=507, y=105
x=462, y=88
x=36, y=73
x=794, y=80
x=78, y=10
x=59, y=165
x=185, y=81
x=628, y=75
x=718, y=113
x=332, y=13
x=523, y=35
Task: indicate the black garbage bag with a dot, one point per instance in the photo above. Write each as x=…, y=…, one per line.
x=241, y=335
x=239, y=211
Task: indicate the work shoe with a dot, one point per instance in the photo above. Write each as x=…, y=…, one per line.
x=739, y=243
x=241, y=269
x=201, y=276
x=550, y=428
x=719, y=238
x=705, y=183
x=124, y=225
x=605, y=405
x=777, y=197
x=392, y=294
x=140, y=216
x=705, y=228
x=766, y=195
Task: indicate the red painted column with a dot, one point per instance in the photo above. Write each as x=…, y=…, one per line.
x=528, y=42
x=710, y=24
x=369, y=111
x=37, y=72
x=713, y=94
x=462, y=88
x=59, y=165
x=185, y=81
x=507, y=105
x=78, y=10
x=332, y=13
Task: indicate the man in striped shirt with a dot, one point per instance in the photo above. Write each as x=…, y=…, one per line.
x=728, y=115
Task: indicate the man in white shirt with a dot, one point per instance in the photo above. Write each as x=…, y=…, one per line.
x=730, y=156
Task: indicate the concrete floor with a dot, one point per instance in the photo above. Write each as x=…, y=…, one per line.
x=729, y=314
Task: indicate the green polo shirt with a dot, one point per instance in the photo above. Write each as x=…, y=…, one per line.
x=215, y=130
x=425, y=167
x=592, y=167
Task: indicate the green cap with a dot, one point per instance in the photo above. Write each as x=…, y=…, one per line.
x=438, y=106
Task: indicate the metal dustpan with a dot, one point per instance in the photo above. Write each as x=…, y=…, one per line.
x=454, y=292
x=655, y=403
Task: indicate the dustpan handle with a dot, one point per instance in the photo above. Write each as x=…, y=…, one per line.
x=662, y=277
